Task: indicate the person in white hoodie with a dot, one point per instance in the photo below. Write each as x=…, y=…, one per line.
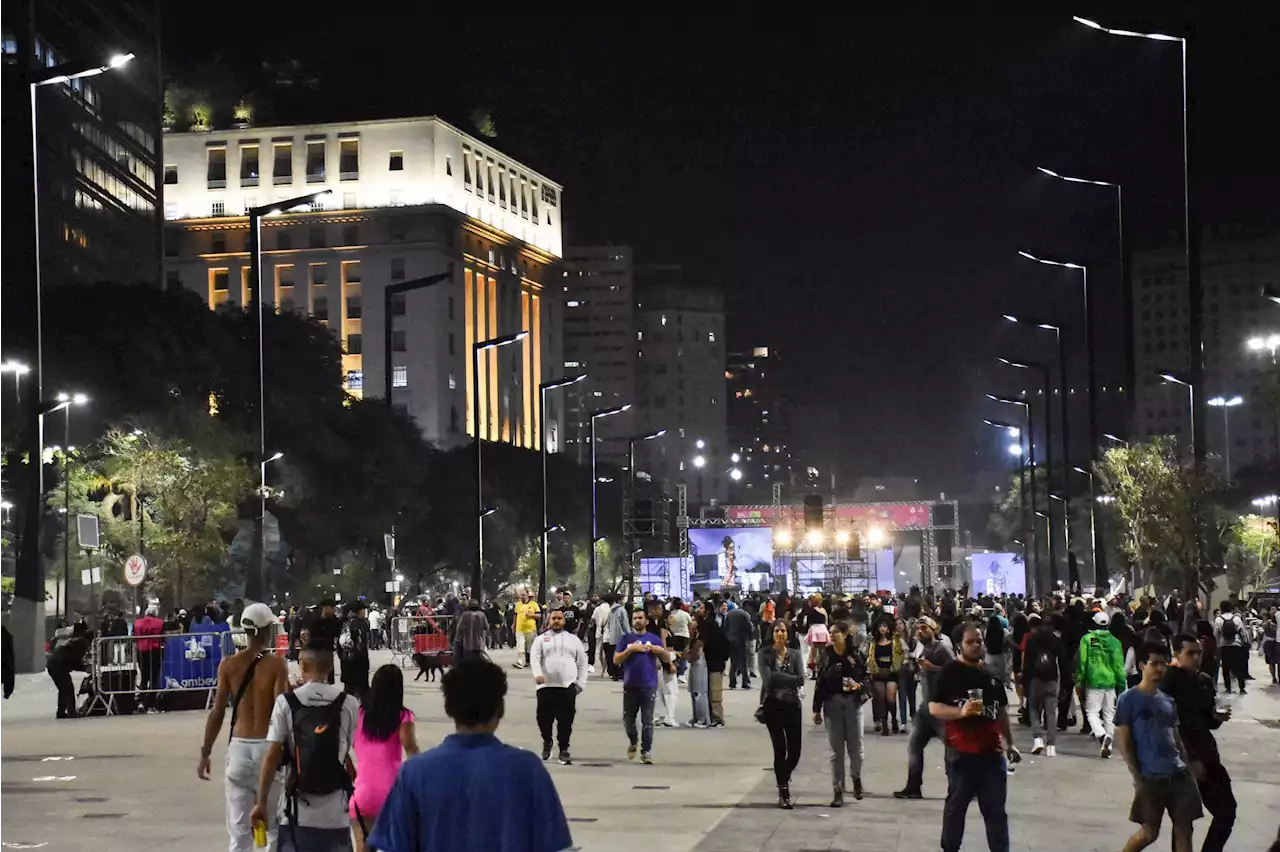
x=599, y=651
x=559, y=664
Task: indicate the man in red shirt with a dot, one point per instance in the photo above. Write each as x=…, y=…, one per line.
x=150, y=655
x=972, y=703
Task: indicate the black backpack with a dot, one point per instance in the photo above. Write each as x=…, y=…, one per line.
x=1045, y=665
x=1230, y=629
x=314, y=767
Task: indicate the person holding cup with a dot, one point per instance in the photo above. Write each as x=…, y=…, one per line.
x=972, y=704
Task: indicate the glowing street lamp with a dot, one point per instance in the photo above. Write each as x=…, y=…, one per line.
x=542, y=452
x=1270, y=342
x=1043, y=369
x=1226, y=405
x=1029, y=431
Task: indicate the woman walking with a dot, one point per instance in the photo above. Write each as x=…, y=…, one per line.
x=816, y=635
x=696, y=674
x=384, y=734
x=999, y=651
x=1018, y=635
x=909, y=674
x=837, y=702
x=781, y=676
x=884, y=662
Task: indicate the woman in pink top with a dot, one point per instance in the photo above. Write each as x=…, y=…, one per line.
x=384, y=734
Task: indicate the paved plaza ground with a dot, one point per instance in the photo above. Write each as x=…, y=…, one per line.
x=131, y=785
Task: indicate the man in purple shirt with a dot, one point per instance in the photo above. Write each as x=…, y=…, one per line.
x=636, y=655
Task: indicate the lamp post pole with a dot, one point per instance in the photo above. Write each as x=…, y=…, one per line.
x=542, y=451
x=591, y=563
x=1034, y=573
x=631, y=502
x=1047, y=387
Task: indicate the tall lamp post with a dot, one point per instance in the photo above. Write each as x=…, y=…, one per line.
x=1016, y=450
x=1043, y=370
x=1031, y=460
x=1195, y=291
x=1098, y=575
x=65, y=403
x=542, y=451
x=480, y=346
x=262, y=519
x=1126, y=289
x=631, y=497
x=29, y=593
x=591, y=563
x=1226, y=404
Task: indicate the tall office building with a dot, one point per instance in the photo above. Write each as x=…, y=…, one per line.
x=599, y=340
x=680, y=383
x=98, y=141
x=410, y=198
x=1236, y=266
x=758, y=430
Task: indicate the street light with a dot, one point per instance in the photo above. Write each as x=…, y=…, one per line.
x=699, y=461
x=1115, y=439
x=1043, y=369
x=1126, y=286
x=1185, y=381
x=1033, y=571
x=19, y=370
x=477, y=574
x=1195, y=293
x=542, y=451
x=65, y=403
x=1226, y=405
x=735, y=474
x=262, y=520
x=1271, y=293
x=1015, y=432
x=596, y=415
x=631, y=491
x=1259, y=344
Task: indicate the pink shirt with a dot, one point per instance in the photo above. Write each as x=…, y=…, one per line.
x=376, y=766
x=148, y=625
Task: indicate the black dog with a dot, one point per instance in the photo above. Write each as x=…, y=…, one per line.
x=429, y=663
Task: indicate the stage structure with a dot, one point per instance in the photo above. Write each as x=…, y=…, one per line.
x=836, y=553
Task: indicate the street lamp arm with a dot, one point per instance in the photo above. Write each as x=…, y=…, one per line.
x=75, y=70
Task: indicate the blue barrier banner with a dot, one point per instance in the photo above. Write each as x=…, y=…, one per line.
x=191, y=662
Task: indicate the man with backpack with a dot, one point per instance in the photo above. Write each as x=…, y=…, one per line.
x=312, y=728
x=1229, y=631
x=249, y=682
x=1100, y=673
x=1042, y=672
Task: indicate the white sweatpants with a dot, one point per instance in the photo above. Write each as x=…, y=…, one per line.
x=244, y=762
x=668, y=696
x=1100, y=710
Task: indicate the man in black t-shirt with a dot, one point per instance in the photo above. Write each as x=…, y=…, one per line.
x=972, y=704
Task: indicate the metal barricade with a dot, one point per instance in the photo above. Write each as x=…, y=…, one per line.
x=155, y=665
x=419, y=634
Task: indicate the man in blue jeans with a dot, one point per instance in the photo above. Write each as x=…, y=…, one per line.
x=972, y=704
x=638, y=653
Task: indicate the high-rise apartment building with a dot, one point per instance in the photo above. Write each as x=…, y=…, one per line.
x=98, y=140
x=410, y=198
x=1236, y=266
x=757, y=425
x=680, y=383
x=600, y=341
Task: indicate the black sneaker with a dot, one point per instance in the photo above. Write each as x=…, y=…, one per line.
x=546, y=751
x=907, y=794
x=565, y=760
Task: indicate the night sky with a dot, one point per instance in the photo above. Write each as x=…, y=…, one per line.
x=858, y=187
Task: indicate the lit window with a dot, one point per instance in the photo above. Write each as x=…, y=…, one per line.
x=572, y=364
x=639, y=335
x=711, y=337
x=219, y=208
x=664, y=319
x=453, y=382
x=572, y=304
x=355, y=379
x=400, y=377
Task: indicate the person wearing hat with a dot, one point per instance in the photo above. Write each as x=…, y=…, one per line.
x=1100, y=673
x=249, y=683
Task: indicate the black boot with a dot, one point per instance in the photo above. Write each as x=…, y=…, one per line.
x=784, y=797
x=857, y=787
x=837, y=798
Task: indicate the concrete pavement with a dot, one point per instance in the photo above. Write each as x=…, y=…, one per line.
x=131, y=785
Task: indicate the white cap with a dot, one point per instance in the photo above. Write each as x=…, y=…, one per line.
x=1100, y=618
x=257, y=616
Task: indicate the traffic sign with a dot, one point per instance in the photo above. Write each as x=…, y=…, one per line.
x=135, y=569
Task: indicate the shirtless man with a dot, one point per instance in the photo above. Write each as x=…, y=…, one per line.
x=251, y=716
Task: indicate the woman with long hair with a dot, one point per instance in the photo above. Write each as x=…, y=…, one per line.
x=696, y=675
x=816, y=635
x=998, y=650
x=1021, y=626
x=838, y=697
x=781, y=677
x=384, y=734
x=884, y=661
x=908, y=675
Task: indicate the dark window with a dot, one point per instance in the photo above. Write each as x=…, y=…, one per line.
x=249, y=165
x=397, y=269
x=217, y=168
x=320, y=308
x=170, y=174
x=220, y=280
x=397, y=161
x=348, y=159
x=398, y=342
x=317, y=237
x=315, y=162
x=398, y=305
x=353, y=307
x=283, y=168
x=452, y=344
x=355, y=346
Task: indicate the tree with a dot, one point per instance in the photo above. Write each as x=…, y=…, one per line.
x=1251, y=552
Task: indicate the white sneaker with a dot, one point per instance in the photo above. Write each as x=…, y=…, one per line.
x=1037, y=746
x=670, y=723
x=698, y=724
x=680, y=679
x=1051, y=751
x=1105, y=751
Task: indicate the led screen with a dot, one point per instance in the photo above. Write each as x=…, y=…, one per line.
x=998, y=574
x=661, y=576
x=731, y=556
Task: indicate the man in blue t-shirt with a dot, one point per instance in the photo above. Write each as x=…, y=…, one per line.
x=472, y=782
x=1147, y=734
x=636, y=653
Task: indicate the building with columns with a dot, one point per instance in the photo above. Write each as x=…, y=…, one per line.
x=409, y=198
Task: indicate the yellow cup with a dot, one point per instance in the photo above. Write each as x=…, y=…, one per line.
x=260, y=835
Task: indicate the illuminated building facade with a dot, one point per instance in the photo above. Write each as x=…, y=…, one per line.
x=757, y=424
x=409, y=198
x=680, y=383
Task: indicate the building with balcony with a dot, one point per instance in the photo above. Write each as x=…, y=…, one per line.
x=408, y=198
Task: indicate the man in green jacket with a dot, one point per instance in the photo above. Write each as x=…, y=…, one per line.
x=1100, y=671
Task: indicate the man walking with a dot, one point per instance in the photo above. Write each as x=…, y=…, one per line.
x=737, y=631
x=1192, y=694
x=1147, y=733
x=559, y=665
x=1233, y=650
x=715, y=649
x=1100, y=671
x=936, y=652
x=972, y=703
x=526, y=627
x=249, y=682
x=1042, y=663
x=613, y=628
x=635, y=654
